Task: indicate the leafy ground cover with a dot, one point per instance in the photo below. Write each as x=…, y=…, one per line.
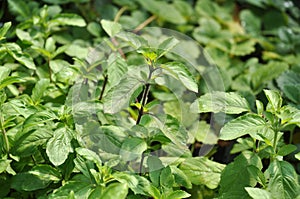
x=95, y=103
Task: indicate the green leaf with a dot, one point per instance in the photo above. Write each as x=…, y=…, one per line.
x=4, y=29
x=250, y=22
x=132, y=39
x=257, y=193
x=202, y=171
x=235, y=177
x=259, y=107
x=159, y=8
x=138, y=184
x=155, y=166
x=58, y=65
x=38, y=177
x=230, y=103
x=283, y=182
x=111, y=27
x=166, y=179
x=80, y=186
x=165, y=46
x=275, y=100
x=287, y=149
x=181, y=178
x=89, y=155
x=16, y=52
x=289, y=83
x=132, y=148
x=247, y=124
x=8, y=81
x=19, y=8
x=243, y=47
x=69, y=19
x=115, y=190
x=119, y=96
x=182, y=73
x=265, y=73
x=178, y=194
x=59, y=146
x=28, y=143
x=4, y=73
x=297, y=156
x=4, y=164
x=289, y=114
x=94, y=28
x=39, y=89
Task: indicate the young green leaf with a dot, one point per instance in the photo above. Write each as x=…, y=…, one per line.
x=132, y=39
x=275, y=101
x=287, y=149
x=59, y=146
x=247, y=124
x=16, y=52
x=182, y=73
x=111, y=27
x=89, y=155
x=202, y=171
x=166, y=46
x=283, y=182
x=178, y=194
x=4, y=29
x=39, y=89
x=230, y=103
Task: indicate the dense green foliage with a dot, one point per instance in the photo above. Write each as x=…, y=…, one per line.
x=93, y=104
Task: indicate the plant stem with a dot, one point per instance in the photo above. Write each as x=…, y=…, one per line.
x=144, y=101
x=145, y=94
x=103, y=86
x=141, y=164
x=144, y=24
x=119, y=14
x=4, y=135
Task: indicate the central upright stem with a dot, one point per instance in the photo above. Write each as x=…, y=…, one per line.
x=145, y=94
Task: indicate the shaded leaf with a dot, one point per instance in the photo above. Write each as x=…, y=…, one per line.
x=235, y=177
x=159, y=8
x=119, y=96
x=202, y=171
x=230, y=103
x=132, y=148
x=39, y=89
